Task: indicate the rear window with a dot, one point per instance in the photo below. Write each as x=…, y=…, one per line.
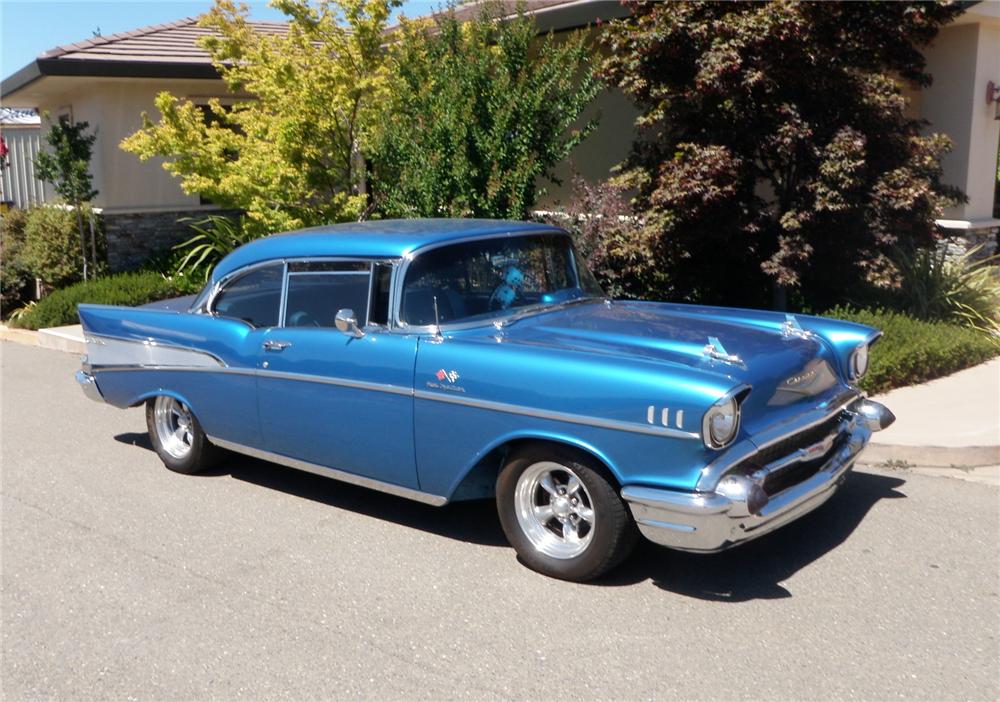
x=254, y=297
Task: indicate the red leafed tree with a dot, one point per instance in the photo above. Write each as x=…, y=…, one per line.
x=774, y=154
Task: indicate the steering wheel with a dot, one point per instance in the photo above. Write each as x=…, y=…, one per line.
x=302, y=319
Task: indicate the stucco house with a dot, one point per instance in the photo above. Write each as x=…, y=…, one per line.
x=110, y=81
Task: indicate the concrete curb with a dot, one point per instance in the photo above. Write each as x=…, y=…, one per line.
x=68, y=339
x=932, y=456
x=19, y=336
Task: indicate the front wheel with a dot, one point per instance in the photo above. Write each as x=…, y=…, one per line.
x=177, y=436
x=562, y=515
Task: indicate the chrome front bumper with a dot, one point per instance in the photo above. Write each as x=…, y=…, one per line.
x=89, y=386
x=733, y=512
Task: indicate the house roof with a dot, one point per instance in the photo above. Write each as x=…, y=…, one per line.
x=390, y=238
x=169, y=50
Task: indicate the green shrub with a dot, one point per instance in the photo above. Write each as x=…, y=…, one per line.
x=914, y=351
x=960, y=289
x=215, y=238
x=15, y=278
x=59, y=307
x=52, y=248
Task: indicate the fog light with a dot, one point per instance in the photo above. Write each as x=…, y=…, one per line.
x=741, y=489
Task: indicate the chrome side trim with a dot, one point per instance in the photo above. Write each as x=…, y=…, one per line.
x=115, y=351
x=324, y=471
x=301, y=377
x=556, y=416
x=341, y=382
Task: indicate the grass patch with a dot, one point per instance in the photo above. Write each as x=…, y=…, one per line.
x=59, y=307
x=912, y=351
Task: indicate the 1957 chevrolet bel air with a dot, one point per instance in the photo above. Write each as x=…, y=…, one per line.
x=446, y=360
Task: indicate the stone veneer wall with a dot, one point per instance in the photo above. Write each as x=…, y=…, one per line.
x=134, y=237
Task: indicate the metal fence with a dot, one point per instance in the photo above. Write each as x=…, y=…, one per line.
x=18, y=184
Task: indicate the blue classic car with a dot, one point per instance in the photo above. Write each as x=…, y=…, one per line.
x=446, y=360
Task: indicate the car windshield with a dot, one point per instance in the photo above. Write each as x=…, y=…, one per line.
x=480, y=280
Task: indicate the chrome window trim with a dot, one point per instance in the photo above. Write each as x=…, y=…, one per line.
x=327, y=472
x=207, y=306
x=397, y=296
x=288, y=277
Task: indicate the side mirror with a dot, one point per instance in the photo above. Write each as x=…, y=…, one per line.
x=348, y=323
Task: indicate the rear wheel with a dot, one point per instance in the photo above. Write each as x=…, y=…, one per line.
x=562, y=515
x=176, y=436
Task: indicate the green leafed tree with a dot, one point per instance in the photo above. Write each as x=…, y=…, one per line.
x=287, y=149
x=477, y=112
x=775, y=154
x=66, y=166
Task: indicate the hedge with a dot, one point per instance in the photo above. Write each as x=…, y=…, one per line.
x=59, y=307
x=913, y=351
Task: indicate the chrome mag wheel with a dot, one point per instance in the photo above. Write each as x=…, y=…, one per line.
x=174, y=426
x=554, y=509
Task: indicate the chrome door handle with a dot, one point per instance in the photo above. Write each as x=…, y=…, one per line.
x=271, y=345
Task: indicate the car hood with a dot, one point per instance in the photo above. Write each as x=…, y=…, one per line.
x=783, y=369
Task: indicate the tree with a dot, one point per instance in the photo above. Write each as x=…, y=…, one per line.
x=775, y=154
x=478, y=111
x=287, y=150
x=67, y=169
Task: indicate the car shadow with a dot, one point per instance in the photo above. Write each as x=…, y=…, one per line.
x=473, y=522
x=755, y=570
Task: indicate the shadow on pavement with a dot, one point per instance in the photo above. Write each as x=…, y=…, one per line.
x=474, y=522
x=756, y=569
x=752, y=571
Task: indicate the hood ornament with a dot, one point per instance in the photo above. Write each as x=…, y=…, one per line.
x=717, y=352
x=791, y=328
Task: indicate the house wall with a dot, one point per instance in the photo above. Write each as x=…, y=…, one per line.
x=18, y=183
x=962, y=59
x=143, y=205
x=114, y=107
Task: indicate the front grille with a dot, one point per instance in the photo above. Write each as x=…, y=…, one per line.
x=795, y=473
x=792, y=443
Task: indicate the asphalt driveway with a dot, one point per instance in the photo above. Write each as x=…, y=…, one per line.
x=122, y=580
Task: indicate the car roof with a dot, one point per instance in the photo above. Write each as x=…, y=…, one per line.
x=387, y=238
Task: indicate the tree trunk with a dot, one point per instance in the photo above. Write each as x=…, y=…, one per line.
x=83, y=238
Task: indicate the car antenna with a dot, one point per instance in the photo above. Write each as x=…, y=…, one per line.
x=437, y=320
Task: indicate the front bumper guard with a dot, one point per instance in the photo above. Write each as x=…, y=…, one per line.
x=738, y=510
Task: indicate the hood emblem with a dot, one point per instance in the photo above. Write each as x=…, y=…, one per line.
x=717, y=352
x=791, y=328
x=799, y=379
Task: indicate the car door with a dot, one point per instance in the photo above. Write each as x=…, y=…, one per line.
x=334, y=399
x=246, y=305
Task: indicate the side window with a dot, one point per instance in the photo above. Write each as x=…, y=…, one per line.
x=255, y=297
x=317, y=291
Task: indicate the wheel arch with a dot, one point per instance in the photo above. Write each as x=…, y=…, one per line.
x=478, y=479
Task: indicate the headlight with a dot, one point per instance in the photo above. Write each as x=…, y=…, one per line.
x=859, y=361
x=721, y=422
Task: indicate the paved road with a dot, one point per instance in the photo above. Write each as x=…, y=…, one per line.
x=122, y=580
